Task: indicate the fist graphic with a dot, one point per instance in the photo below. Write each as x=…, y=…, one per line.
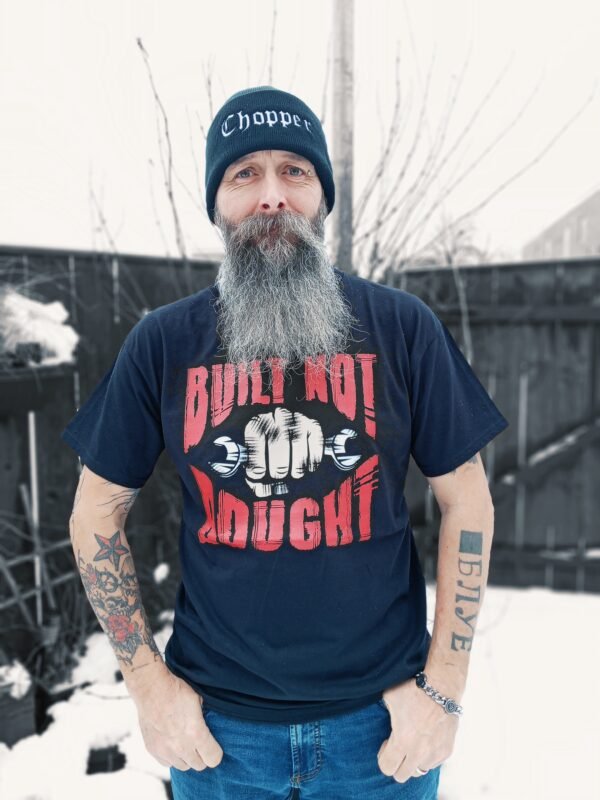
x=280, y=445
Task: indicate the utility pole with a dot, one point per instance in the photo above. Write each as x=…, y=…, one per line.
x=343, y=131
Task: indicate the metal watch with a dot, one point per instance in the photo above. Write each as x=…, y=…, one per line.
x=450, y=706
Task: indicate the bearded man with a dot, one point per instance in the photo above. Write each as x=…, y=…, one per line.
x=290, y=395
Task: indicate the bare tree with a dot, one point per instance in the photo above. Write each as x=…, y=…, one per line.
x=454, y=243
x=407, y=201
x=392, y=240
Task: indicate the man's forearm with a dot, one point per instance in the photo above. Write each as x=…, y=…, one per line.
x=464, y=549
x=107, y=571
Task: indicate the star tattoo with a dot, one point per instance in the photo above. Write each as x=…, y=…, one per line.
x=110, y=548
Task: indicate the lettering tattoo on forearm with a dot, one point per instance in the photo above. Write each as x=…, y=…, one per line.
x=116, y=598
x=471, y=543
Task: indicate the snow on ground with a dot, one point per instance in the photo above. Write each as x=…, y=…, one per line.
x=531, y=725
x=52, y=766
x=530, y=729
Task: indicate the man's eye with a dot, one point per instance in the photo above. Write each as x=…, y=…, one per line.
x=291, y=166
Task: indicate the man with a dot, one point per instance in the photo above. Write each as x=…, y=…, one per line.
x=290, y=396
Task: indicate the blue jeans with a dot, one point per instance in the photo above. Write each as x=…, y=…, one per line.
x=334, y=758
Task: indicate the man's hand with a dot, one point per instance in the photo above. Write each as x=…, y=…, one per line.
x=422, y=733
x=172, y=724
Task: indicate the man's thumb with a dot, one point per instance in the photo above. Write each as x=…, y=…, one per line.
x=383, y=744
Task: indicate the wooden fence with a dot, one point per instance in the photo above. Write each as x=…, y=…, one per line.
x=532, y=330
x=105, y=296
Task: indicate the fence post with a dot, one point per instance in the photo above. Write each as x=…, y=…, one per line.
x=521, y=493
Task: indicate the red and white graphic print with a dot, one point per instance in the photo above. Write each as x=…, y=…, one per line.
x=278, y=448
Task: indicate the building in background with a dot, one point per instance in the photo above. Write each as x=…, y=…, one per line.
x=576, y=233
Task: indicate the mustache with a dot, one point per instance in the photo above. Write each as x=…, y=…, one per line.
x=289, y=232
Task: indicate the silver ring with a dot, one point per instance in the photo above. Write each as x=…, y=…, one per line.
x=422, y=771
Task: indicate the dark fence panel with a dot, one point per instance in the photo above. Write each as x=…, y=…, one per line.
x=105, y=296
x=534, y=333
x=532, y=330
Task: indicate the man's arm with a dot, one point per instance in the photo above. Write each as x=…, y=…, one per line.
x=105, y=564
x=465, y=542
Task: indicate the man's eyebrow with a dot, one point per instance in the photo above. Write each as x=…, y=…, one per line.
x=249, y=156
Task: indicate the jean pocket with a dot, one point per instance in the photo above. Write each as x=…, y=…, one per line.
x=381, y=702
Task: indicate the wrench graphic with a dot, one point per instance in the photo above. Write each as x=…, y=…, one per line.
x=237, y=454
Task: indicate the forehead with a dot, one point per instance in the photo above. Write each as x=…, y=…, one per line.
x=277, y=154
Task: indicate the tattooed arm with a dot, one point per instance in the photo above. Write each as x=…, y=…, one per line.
x=465, y=543
x=105, y=563
x=423, y=735
x=169, y=710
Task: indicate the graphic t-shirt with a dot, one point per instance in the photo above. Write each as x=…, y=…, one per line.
x=301, y=592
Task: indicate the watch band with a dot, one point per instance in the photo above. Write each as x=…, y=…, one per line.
x=450, y=706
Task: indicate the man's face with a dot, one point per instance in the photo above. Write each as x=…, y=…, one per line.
x=278, y=294
x=267, y=182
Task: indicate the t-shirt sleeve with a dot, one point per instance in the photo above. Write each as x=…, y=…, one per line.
x=452, y=415
x=117, y=432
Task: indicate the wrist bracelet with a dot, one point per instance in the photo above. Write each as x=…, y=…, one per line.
x=450, y=706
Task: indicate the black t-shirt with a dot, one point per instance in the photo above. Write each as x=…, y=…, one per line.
x=302, y=595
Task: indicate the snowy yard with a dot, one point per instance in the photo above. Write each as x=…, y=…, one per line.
x=531, y=727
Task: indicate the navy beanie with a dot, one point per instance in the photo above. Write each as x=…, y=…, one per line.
x=264, y=118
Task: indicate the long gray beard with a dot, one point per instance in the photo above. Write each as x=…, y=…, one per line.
x=279, y=294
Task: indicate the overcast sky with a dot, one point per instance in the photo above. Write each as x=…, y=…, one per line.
x=79, y=118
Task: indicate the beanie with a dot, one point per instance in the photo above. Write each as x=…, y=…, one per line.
x=264, y=118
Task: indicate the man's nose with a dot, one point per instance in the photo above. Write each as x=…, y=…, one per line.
x=272, y=198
